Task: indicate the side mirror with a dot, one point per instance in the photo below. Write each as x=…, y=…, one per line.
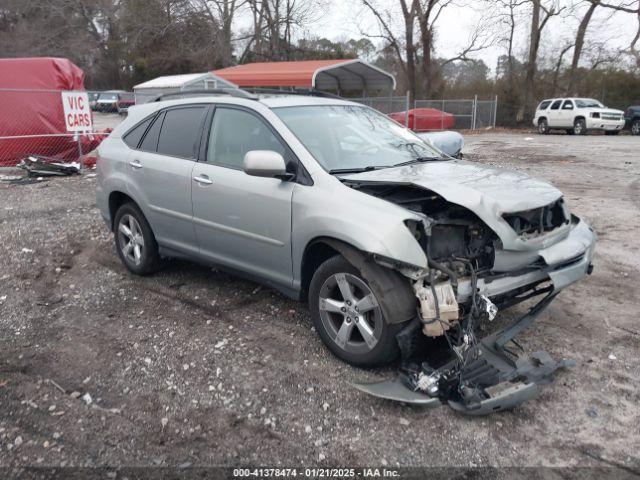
x=266, y=163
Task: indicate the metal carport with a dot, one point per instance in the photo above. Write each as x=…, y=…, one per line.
x=150, y=90
x=339, y=75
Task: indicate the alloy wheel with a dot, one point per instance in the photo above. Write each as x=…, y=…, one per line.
x=542, y=127
x=635, y=127
x=130, y=239
x=350, y=313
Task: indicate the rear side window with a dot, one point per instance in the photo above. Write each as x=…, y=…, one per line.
x=133, y=137
x=556, y=105
x=544, y=105
x=150, y=142
x=180, y=132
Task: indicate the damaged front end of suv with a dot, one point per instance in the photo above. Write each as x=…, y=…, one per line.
x=492, y=239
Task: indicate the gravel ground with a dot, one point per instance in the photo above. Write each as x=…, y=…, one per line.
x=193, y=366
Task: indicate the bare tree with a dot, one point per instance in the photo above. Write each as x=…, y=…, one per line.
x=274, y=24
x=558, y=66
x=540, y=15
x=509, y=18
x=428, y=12
x=404, y=47
x=579, y=43
x=221, y=15
x=412, y=54
x=630, y=6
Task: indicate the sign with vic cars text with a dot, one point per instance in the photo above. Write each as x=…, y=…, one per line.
x=77, y=114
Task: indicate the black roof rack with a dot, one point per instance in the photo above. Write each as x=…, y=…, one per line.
x=233, y=92
x=309, y=92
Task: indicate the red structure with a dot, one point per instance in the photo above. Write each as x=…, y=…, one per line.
x=425, y=119
x=31, y=116
x=339, y=74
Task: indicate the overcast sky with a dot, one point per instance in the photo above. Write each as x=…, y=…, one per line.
x=345, y=19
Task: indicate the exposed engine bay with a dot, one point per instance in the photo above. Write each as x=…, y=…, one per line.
x=479, y=376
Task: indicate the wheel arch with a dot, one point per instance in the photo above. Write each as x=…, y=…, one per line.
x=116, y=200
x=397, y=299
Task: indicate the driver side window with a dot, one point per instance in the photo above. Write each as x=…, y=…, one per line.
x=234, y=133
x=556, y=105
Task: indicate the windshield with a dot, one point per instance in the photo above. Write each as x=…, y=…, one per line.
x=588, y=103
x=348, y=137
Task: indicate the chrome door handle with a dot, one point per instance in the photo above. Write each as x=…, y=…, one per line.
x=203, y=179
x=135, y=164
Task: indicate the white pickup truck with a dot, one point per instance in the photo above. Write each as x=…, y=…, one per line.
x=577, y=116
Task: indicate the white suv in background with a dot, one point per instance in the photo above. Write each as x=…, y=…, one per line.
x=577, y=115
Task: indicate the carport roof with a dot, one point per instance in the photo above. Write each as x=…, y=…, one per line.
x=180, y=81
x=339, y=74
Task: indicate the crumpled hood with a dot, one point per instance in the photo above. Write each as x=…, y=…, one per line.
x=487, y=191
x=470, y=184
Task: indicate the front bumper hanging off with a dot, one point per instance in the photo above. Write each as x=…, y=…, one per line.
x=489, y=377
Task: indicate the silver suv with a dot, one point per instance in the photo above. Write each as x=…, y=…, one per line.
x=332, y=202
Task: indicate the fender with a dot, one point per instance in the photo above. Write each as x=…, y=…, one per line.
x=398, y=301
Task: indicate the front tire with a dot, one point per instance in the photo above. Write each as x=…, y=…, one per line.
x=135, y=243
x=348, y=316
x=635, y=127
x=580, y=127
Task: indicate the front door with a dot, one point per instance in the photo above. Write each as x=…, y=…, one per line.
x=554, y=119
x=566, y=114
x=242, y=221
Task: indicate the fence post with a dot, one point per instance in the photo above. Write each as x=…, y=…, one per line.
x=442, y=116
x=475, y=112
x=495, y=111
x=406, y=110
x=80, y=158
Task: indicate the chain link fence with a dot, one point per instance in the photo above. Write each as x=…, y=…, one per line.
x=32, y=124
x=428, y=115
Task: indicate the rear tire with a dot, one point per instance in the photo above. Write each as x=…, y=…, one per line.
x=360, y=337
x=135, y=243
x=543, y=126
x=580, y=127
x=635, y=127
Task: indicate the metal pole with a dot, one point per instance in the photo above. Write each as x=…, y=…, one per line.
x=80, y=157
x=495, y=111
x=442, y=116
x=406, y=110
x=475, y=111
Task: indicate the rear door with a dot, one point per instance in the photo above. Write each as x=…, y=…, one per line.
x=162, y=166
x=242, y=221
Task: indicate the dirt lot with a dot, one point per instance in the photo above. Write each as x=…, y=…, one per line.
x=195, y=367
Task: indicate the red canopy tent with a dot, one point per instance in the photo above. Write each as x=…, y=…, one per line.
x=31, y=116
x=339, y=74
